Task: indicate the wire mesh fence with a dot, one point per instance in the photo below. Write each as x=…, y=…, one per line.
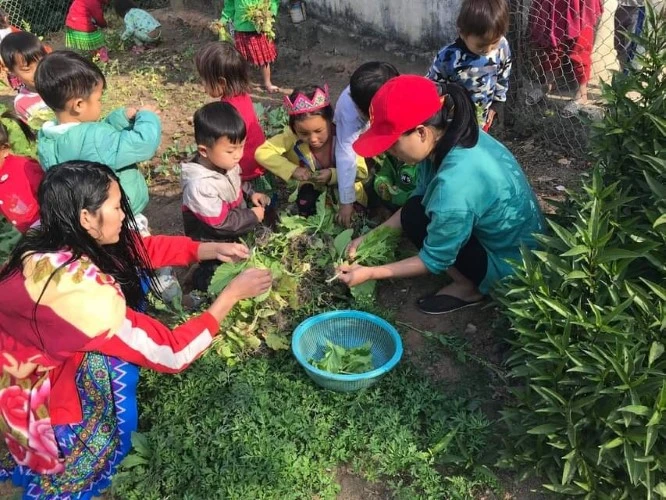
x=37, y=16
x=563, y=50
x=47, y=16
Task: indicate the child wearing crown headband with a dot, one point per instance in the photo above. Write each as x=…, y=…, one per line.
x=305, y=151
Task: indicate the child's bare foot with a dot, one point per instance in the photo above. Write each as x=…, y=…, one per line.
x=270, y=88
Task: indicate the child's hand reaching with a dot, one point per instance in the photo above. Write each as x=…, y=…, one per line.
x=130, y=113
x=323, y=176
x=302, y=174
x=151, y=108
x=259, y=212
x=260, y=200
x=386, y=190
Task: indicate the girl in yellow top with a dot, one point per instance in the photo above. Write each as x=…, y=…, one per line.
x=305, y=151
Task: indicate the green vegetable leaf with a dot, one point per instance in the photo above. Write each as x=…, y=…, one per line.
x=338, y=359
x=277, y=342
x=378, y=247
x=342, y=241
x=223, y=276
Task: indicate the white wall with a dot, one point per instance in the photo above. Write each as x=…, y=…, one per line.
x=429, y=23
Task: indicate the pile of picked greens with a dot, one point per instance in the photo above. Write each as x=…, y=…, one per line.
x=301, y=254
x=337, y=359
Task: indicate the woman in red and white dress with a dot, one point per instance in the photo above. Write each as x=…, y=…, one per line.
x=72, y=337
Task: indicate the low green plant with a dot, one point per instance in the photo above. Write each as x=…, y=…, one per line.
x=171, y=157
x=272, y=119
x=588, y=310
x=301, y=255
x=262, y=430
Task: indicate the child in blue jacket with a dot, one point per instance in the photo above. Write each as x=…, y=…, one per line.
x=72, y=87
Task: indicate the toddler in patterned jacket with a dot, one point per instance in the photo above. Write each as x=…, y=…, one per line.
x=480, y=58
x=142, y=30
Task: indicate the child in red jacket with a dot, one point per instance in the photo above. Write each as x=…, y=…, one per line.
x=20, y=176
x=83, y=23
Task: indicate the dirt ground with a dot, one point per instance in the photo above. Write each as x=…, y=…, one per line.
x=314, y=53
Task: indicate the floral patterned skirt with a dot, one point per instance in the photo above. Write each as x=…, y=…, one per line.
x=72, y=461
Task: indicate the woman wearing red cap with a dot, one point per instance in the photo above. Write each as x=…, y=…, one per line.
x=473, y=207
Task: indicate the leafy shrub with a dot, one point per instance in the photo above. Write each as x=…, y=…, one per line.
x=588, y=309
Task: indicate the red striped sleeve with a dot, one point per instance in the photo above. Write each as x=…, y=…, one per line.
x=146, y=342
x=171, y=250
x=225, y=208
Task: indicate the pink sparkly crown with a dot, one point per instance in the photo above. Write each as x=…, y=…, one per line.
x=303, y=104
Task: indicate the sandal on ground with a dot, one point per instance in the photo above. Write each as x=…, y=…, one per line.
x=572, y=109
x=443, y=304
x=534, y=96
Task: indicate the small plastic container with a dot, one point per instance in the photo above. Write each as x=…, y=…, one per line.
x=348, y=329
x=297, y=11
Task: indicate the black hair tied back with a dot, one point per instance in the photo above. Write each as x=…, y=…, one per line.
x=457, y=117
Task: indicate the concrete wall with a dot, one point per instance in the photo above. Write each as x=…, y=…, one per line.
x=425, y=23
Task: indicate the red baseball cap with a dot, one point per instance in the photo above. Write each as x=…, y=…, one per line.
x=401, y=104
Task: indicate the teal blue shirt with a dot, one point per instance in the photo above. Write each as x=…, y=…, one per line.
x=114, y=141
x=480, y=191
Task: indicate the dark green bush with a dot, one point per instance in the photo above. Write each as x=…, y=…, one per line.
x=588, y=309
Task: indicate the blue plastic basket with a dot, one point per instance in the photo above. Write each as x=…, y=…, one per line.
x=348, y=329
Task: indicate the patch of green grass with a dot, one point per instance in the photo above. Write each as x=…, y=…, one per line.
x=262, y=429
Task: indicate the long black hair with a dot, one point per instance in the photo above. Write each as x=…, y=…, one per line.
x=122, y=7
x=457, y=118
x=4, y=133
x=65, y=191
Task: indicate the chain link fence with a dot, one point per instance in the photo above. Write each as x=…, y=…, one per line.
x=47, y=16
x=563, y=50
x=38, y=16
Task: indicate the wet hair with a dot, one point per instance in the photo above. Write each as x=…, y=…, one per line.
x=220, y=60
x=326, y=112
x=65, y=191
x=484, y=18
x=366, y=81
x=457, y=118
x=64, y=75
x=4, y=133
x=122, y=7
x=21, y=47
x=216, y=120
x=4, y=19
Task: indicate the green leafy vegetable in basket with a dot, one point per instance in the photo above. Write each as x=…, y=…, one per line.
x=337, y=359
